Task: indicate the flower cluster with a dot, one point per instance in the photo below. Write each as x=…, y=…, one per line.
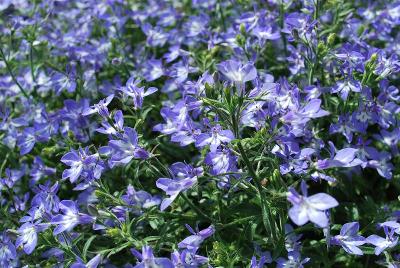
x=271, y=126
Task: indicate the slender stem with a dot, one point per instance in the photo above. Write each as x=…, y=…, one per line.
x=12, y=74
x=31, y=62
x=264, y=209
x=238, y=221
x=196, y=209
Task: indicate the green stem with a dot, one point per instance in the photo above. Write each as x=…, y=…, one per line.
x=31, y=62
x=12, y=74
x=264, y=208
x=196, y=209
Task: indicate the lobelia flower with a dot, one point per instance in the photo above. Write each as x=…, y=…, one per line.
x=221, y=161
x=27, y=235
x=196, y=25
x=345, y=87
x=390, y=241
x=214, y=138
x=260, y=263
x=346, y=157
x=11, y=177
x=46, y=196
x=122, y=151
x=265, y=32
x=265, y=257
x=174, y=52
x=303, y=115
x=186, y=135
x=152, y=70
x=181, y=70
x=293, y=260
x=8, y=253
x=387, y=66
x=39, y=170
x=155, y=35
x=349, y=238
x=65, y=81
x=310, y=208
x=380, y=161
x=72, y=119
x=147, y=259
x=69, y=218
x=80, y=162
x=237, y=73
x=40, y=132
x=93, y=263
x=116, y=128
x=139, y=200
x=193, y=242
x=187, y=259
x=344, y=126
x=133, y=90
x=100, y=108
x=184, y=177
x=292, y=240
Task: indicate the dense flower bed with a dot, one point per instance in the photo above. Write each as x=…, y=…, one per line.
x=199, y=133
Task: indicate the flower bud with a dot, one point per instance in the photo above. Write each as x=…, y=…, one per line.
x=331, y=39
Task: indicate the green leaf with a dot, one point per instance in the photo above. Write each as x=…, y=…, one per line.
x=87, y=245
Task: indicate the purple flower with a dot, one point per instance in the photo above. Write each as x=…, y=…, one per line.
x=116, y=128
x=80, y=162
x=139, y=200
x=221, y=161
x=344, y=126
x=11, y=177
x=193, y=242
x=345, y=87
x=155, y=35
x=187, y=259
x=196, y=25
x=122, y=151
x=346, y=157
x=100, y=108
x=69, y=218
x=293, y=260
x=214, y=138
x=307, y=112
x=153, y=70
x=40, y=132
x=147, y=259
x=181, y=70
x=133, y=90
x=40, y=170
x=349, y=238
x=65, y=80
x=236, y=72
x=310, y=208
x=27, y=235
x=46, y=196
x=174, y=52
x=93, y=263
x=8, y=253
x=260, y=263
x=380, y=161
x=184, y=177
x=389, y=241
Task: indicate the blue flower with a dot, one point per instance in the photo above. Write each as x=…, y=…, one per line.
x=147, y=259
x=184, y=177
x=349, y=239
x=70, y=218
x=310, y=208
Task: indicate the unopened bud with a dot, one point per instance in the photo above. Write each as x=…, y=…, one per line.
x=242, y=29
x=331, y=39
